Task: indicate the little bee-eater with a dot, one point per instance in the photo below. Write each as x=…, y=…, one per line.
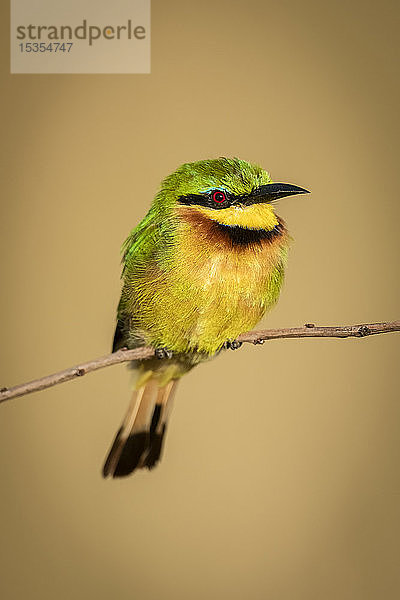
x=203, y=266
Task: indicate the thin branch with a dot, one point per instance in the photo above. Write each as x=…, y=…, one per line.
x=252, y=337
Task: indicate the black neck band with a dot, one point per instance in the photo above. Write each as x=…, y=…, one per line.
x=242, y=236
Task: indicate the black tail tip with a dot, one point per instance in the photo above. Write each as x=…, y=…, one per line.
x=140, y=450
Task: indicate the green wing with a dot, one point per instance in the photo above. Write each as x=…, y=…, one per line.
x=140, y=249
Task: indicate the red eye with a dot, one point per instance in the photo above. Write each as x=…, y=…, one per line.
x=218, y=196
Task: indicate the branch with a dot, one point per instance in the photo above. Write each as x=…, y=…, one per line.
x=252, y=337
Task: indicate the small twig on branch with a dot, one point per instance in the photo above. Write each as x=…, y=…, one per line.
x=252, y=337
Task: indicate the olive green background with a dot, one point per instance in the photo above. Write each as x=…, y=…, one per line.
x=280, y=478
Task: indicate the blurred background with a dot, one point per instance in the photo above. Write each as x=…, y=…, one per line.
x=280, y=477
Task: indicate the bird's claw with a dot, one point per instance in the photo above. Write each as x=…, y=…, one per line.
x=232, y=345
x=162, y=353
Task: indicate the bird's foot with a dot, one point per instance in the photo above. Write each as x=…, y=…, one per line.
x=162, y=353
x=232, y=345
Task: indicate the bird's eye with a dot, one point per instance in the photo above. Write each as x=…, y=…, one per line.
x=219, y=196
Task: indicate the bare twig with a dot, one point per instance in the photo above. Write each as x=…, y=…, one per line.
x=252, y=337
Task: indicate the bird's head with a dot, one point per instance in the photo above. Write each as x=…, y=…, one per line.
x=229, y=191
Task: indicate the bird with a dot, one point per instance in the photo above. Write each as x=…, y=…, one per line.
x=203, y=266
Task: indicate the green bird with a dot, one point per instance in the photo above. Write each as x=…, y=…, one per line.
x=203, y=266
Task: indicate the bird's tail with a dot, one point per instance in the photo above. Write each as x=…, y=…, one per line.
x=138, y=443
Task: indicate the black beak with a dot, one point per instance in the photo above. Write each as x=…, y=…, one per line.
x=274, y=191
